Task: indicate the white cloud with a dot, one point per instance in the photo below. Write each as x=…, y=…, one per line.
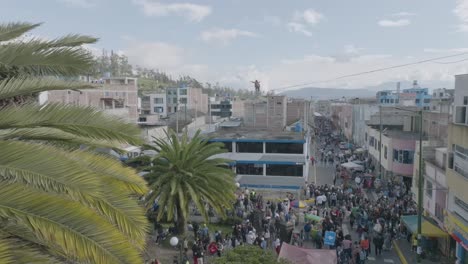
x=299, y=28
x=394, y=23
x=224, y=36
x=454, y=50
x=302, y=21
x=79, y=3
x=403, y=14
x=192, y=12
x=461, y=11
x=158, y=55
x=309, y=16
x=351, y=49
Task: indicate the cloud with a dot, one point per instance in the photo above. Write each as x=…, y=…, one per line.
x=224, y=36
x=79, y=3
x=302, y=21
x=403, y=14
x=461, y=12
x=454, y=50
x=192, y=12
x=299, y=28
x=394, y=23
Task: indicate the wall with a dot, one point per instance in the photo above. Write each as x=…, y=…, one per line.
x=148, y=132
x=361, y=114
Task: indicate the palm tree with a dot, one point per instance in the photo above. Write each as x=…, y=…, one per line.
x=60, y=202
x=185, y=171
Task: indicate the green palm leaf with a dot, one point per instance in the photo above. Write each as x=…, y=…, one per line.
x=84, y=122
x=6, y=256
x=14, y=30
x=26, y=86
x=79, y=232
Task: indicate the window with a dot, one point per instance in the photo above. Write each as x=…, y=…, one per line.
x=403, y=156
x=441, y=94
x=382, y=100
x=159, y=100
x=286, y=148
x=174, y=100
x=427, y=100
x=249, y=147
x=429, y=188
x=142, y=119
x=228, y=146
x=416, y=101
x=391, y=101
x=183, y=100
x=249, y=169
x=465, y=100
x=183, y=91
x=284, y=170
x=159, y=109
x=461, y=203
x=146, y=112
x=385, y=152
x=278, y=103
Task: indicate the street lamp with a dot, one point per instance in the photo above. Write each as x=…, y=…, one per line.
x=174, y=241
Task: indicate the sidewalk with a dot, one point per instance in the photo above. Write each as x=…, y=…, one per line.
x=403, y=249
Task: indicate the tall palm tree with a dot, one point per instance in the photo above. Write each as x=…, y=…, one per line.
x=60, y=202
x=185, y=171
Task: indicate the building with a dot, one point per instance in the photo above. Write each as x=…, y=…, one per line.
x=298, y=109
x=442, y=100
x=416, y=96
x=154, y=104
x=362, y=110
x=238, y=109
x=186, y=97
x=269, y=112
x=266, y=159
x=220, y=107
x=399, y=135
x=323, y=107
x=116, y=96
x=456, y=220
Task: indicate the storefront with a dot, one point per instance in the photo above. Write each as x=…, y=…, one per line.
x=458, y=231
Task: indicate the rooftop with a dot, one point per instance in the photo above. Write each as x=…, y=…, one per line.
x=245, y=133
x=401, y=134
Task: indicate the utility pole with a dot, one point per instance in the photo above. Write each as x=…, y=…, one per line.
x=185, y=118
x=420, y=188
x=177, y=118
x=380, y=142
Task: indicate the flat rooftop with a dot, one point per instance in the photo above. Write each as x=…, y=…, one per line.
x=259, y=134
x=398, y=134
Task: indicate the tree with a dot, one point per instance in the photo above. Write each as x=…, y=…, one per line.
x=185, y=171
x=60, y=202
x=249, y=254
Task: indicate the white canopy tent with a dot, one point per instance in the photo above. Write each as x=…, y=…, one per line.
x=352, y=165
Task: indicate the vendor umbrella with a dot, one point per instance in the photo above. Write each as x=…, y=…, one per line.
x=298, y=204
x=313, y=217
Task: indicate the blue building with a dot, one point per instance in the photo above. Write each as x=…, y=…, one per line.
x=266, y=159
x=415, y=96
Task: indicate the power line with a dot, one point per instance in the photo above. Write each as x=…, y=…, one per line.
x=449, y=62
x=373, y=71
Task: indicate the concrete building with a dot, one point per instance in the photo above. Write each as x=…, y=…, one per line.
x=342, y=118
x=299, y=110
x=154, y=104
x=456, y=221
x=115, y=96
x=186, y=97
x=442, y=100
x=399, y=135
x=323, y=107
x=269, y=113
x=220, y=107
x=266, y=159
x=362, y=111
x=238, y=108
x=415, y=96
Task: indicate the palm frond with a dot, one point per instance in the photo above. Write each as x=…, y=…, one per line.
x=6, y=256
x=112, y=172
x=79, y=121
x=23, y=252
x=33, y=59
x=77, y=231
x=12, y=87
x=59, y=138
x=13, y=30
x=72, y=40
x=47, y=169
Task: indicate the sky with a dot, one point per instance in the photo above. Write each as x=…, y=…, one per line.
x=281, y=43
